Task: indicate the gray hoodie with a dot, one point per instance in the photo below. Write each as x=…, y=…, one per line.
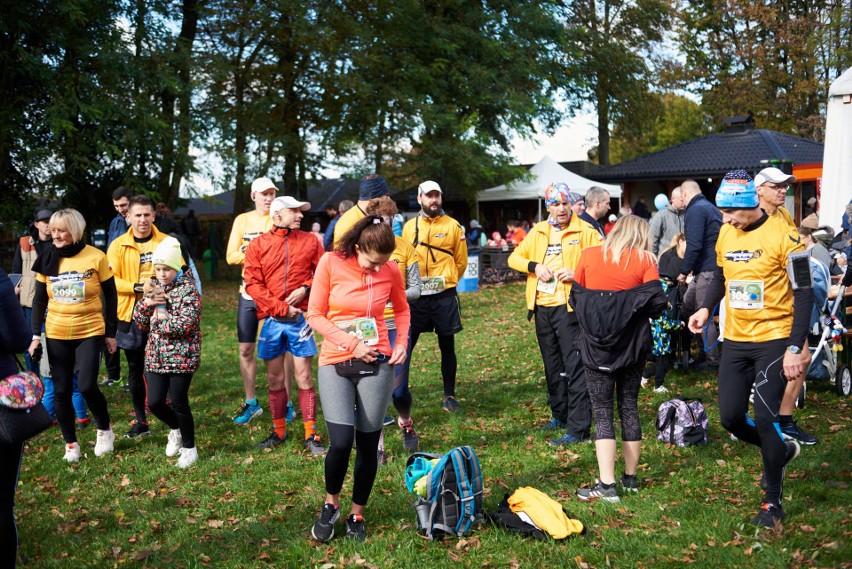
x=665, y=225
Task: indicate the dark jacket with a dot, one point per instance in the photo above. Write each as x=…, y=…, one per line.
x=623, y=338
x=117, y=227
x=14, y=330
x=701, y=222
x=593, y=222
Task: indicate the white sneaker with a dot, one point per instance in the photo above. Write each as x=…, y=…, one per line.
x=661, y=389
x=188, y=456
x=72, y=452
x=105, y=442
x=175, y=443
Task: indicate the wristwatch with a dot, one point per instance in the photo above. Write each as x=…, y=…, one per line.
x=794, y=349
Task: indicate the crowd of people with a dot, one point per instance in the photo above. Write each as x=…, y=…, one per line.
x=372, y=285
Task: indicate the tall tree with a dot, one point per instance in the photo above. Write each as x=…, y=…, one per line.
x=773, y=59
x=609, y=44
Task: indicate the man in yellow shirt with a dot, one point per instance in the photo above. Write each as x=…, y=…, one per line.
x=763, y=275
x=442, y=258
x=130, y=260
x=248, y=226
x=772, y=186
x=549, y=255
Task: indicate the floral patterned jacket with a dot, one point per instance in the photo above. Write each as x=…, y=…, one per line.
x=174, y=344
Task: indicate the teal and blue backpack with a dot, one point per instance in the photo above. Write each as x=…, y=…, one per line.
x=453, y=501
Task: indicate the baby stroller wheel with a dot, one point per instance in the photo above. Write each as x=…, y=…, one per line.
x=843, y=380
x=800, y=400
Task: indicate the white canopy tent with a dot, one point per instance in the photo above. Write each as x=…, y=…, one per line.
x=546, y=172
x=836, y=188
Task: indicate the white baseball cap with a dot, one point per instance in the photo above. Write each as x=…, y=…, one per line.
x=263, y=184
x=773, y=175
x=287, y=202
x=428, y=186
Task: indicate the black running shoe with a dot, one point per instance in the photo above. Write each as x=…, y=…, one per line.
x=355, y=528
x=769, y=515
x=323, y=529
x=450, y=404
x=630, y=483
x=312, y=443
x=410, y=440
x=272, y=441
x=137, y=430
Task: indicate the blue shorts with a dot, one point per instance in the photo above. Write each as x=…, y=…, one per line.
x=277, y=338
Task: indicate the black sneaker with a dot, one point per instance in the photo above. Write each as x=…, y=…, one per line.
x=355, y=528
x=450, y=404
x=110, y=381
x=323, y=529
x=137, y=430
x=410, y=440
x=312, y=443
x=792, y=451
x=388, y=421
x=794, y=431
x=769, y=515
x=630, y=483
x=598, y=492
x=272, y=441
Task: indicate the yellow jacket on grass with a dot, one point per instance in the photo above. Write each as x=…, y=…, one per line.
x=545, y=512
x=576, y=237
x=441, y=248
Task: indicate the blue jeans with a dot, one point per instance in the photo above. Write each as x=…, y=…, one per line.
x=76, y=399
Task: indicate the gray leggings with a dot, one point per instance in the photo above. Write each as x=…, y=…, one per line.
x=340, y=395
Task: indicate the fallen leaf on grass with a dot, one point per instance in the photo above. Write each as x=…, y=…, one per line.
x=141, y=555
x=809, y=529
x=215, y=523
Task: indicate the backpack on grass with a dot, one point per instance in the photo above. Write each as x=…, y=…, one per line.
x=682, y=422
x=453, y=493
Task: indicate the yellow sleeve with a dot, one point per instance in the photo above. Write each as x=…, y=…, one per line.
x=104, y=272
x=461, y=251
x=121, y=285
x=520, y=259
x=235, y=254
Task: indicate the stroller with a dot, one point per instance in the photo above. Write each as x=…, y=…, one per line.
x=824, y=338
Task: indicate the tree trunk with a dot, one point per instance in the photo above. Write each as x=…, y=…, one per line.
x=603, y=124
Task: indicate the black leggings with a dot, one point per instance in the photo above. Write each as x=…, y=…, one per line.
x=760, y=364
x=340, y=439
x=626, y=383
x=176, y=414
x=64, y=356
x=449, y=362
x=10, y=466
x=136, y=381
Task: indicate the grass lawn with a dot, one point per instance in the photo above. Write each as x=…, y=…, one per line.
x=239, y=507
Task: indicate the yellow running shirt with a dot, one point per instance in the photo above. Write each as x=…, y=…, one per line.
x=247, y=226
x=553, y=261
x=74, y=309
x=404, y=256
x=758, y=293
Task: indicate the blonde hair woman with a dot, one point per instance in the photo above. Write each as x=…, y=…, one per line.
x=619, y=279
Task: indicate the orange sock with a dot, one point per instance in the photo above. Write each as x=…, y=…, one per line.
x=310, y=428
x=280, y=427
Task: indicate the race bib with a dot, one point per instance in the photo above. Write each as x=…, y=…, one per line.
x=745, y=295
x=69, y=292
x=362, y=328
x=432, y=285
x=547, y=287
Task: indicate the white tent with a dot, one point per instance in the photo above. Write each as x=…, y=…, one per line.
x=836, y=188
x=546, y=172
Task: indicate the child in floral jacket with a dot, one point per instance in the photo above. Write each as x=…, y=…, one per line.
x=173, y=351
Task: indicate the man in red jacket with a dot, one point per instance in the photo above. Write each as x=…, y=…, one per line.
x=279, y=270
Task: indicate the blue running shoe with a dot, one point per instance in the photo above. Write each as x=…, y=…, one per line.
x=565, y=440
x=553, y=425
x=290, y=412
x=247, y=413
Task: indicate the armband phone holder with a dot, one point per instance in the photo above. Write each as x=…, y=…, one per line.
x=799, y=270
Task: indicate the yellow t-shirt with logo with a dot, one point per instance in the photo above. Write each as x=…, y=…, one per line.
x=247, y=226
x=146, y=253
x=74, y=309
x=553, y=261
x=758, y=293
